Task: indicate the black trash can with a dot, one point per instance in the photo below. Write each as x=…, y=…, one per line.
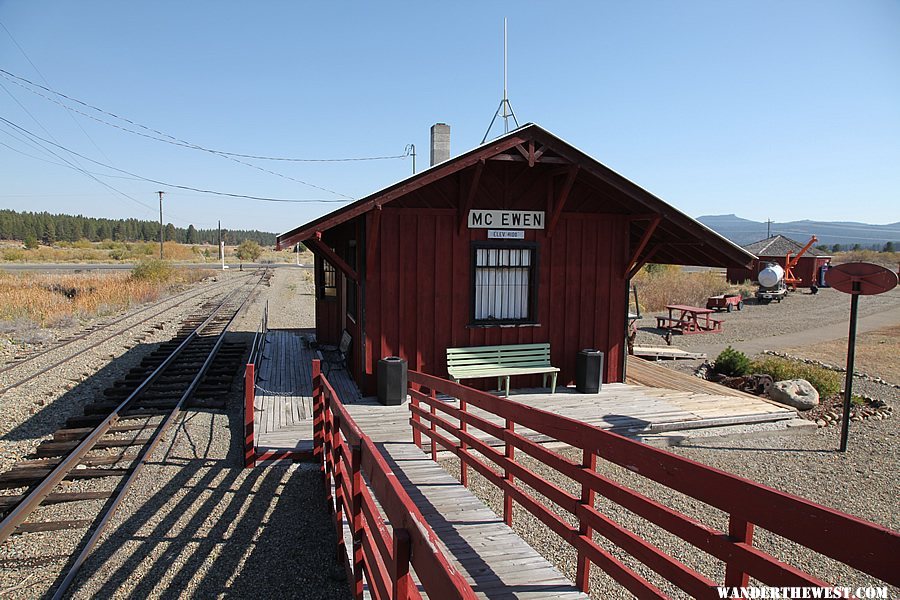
x=589, y=371
x=392, y=380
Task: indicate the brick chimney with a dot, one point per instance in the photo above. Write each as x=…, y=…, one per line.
x=440, y=143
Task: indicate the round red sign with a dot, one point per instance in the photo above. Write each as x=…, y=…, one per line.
x=861, y=278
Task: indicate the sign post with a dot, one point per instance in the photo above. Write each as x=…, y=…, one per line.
x=856, y=279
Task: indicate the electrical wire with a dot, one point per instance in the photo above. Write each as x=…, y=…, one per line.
x=75, y=166
x=38, y=71
x=163, y=183
x=170, y=139
x=175, y=141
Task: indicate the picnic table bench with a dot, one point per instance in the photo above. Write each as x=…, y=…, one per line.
x=501, y=362
x=688, y=320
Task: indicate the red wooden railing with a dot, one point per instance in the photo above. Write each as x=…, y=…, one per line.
x=250, y=371
x=382, y=554
x=864, y=546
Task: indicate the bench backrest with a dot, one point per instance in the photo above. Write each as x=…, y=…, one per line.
x=512, y=356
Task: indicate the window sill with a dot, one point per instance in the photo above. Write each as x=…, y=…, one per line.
x=506, y=325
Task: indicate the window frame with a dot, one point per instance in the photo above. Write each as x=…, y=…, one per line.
x=321, y=286
x=533, y=281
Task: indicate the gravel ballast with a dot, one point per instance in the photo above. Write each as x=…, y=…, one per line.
x=195, y=523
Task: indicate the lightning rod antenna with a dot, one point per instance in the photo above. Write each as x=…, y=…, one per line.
x=505, y=106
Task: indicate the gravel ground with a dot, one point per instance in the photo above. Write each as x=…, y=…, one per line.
x=800, y=318
x=750, y=327
x=195, y=524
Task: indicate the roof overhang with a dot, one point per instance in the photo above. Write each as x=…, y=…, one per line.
x=660, y=231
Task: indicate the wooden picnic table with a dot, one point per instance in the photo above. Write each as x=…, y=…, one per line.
x=688, y=320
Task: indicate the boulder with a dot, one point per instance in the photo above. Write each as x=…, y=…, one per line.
x=798, y=393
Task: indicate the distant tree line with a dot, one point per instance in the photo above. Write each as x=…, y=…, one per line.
x=886, y=247
x=49, y=229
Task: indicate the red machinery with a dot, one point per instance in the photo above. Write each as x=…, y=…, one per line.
x=789, y=278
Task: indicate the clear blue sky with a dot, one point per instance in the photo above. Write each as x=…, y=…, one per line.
x=781, y=110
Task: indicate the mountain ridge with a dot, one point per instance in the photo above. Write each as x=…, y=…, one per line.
x=743, y=231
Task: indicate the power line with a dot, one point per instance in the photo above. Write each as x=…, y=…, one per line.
x=75, y=166
x=38, y=71
x=170, y=139
x=158, y=182
x=174, y=141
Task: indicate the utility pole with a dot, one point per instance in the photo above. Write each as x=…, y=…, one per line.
x=160, y=226
x=411, y=150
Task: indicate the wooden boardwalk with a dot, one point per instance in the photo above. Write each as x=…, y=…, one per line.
x=493, y=558
x=496, y=562
x=283, y=407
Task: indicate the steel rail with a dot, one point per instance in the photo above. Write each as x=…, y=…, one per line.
x=95, y=344
x=142, y=457
x=34, y=498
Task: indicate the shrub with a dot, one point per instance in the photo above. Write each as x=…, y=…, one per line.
x=31, y=242
x=248, y=250
x=12, y=254
x=669, y=284
x=731, y=362
x=826, y=381
x=153, y=270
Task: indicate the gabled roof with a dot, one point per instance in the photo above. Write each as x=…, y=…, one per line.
x=676, y=238
x=779, y=245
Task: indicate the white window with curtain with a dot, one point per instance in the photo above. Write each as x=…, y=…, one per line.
x=504, y=280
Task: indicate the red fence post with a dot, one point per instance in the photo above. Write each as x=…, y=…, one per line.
x=338, y=469
x=414, y=401
x=741, y=532
x=400, y=574
x=249, y=415
x=583, y=567
x=356, y=483
x=433, y=427
x=464, y=447
x=509, y=451
x=318, y=417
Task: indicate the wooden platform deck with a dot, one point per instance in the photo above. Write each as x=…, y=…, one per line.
x=496, y=562
x=494, y=559
x=283, y=407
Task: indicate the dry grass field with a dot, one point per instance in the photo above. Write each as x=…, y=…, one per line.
x=131, y=252
x=876, y=353
x=53, y=300
x=669, y=284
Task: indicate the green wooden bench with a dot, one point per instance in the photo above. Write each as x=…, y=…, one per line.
x=501, y=362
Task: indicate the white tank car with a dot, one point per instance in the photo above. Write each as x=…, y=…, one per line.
x=771, y=275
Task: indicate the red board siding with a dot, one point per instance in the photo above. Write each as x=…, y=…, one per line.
x=418, y=301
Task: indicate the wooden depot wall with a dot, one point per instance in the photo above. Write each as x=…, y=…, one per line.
x=417, y=296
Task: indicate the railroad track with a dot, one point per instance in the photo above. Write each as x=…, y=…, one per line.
x=106, y=331
x=115, y=436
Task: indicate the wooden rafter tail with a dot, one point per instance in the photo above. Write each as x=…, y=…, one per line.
x=466, y=206
x=319, y=247
x=643, y=243
x=561, y=200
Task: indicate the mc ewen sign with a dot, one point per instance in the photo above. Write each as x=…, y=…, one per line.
x=506, y=219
